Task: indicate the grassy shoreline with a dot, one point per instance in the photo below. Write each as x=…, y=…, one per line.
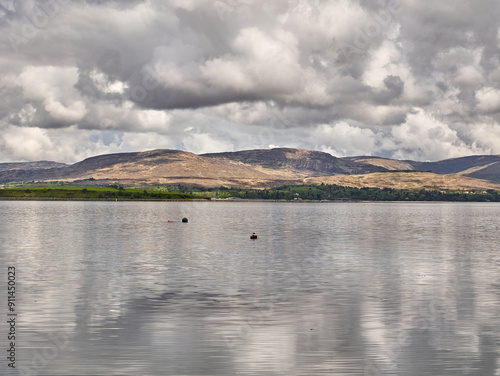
x=96, y=199
x=92, y=193
x=306, y=193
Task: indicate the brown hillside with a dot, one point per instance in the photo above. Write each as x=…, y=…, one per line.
x=389, y=164
x=262, y=169
x=407, y=180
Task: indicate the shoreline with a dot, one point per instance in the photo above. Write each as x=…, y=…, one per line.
x=234, y=200
x=93, y=199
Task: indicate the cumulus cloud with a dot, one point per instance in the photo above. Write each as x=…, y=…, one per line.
x=407, y=79
x=488, y=100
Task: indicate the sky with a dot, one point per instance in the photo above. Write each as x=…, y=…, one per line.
x=406, y=79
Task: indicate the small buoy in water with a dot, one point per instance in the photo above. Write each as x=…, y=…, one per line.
x=253, y=236
x=184, y=220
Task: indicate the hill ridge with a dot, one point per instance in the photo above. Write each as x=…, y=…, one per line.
x=253, y=168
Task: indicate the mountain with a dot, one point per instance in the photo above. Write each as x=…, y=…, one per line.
x=406, y=180
x=41, y=165
x=384, y=163
x=260, y=169
x=252, y=168
x=297, y=161
x=477, y=166
x=156, y=167
x=490, y=172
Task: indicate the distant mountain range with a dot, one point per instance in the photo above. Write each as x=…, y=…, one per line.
x=41, y=165
x=260, y=169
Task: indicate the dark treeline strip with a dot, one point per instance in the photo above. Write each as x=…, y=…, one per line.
x=336, y=192
x=290, y=192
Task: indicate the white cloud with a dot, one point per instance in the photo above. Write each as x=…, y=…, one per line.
x=487, y=137
x=205, y=143
x=343, y=140
x=275, y=69
x=20, y=143
x=54, y=89
x=488, y=100
x=469, y=75
x=423, y=137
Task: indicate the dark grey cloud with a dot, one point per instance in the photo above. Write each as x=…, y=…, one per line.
x=399, y=79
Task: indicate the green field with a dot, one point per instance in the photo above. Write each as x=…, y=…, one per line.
x=94, y=193
x=57, y=191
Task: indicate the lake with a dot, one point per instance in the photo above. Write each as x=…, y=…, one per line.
x=114, y=288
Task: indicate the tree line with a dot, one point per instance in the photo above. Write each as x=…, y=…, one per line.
x=340, y=193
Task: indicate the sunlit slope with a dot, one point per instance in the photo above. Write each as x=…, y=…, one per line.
x=407, y=180
x=266, y=168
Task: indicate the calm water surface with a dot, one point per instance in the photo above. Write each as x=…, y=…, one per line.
x=113, y=288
